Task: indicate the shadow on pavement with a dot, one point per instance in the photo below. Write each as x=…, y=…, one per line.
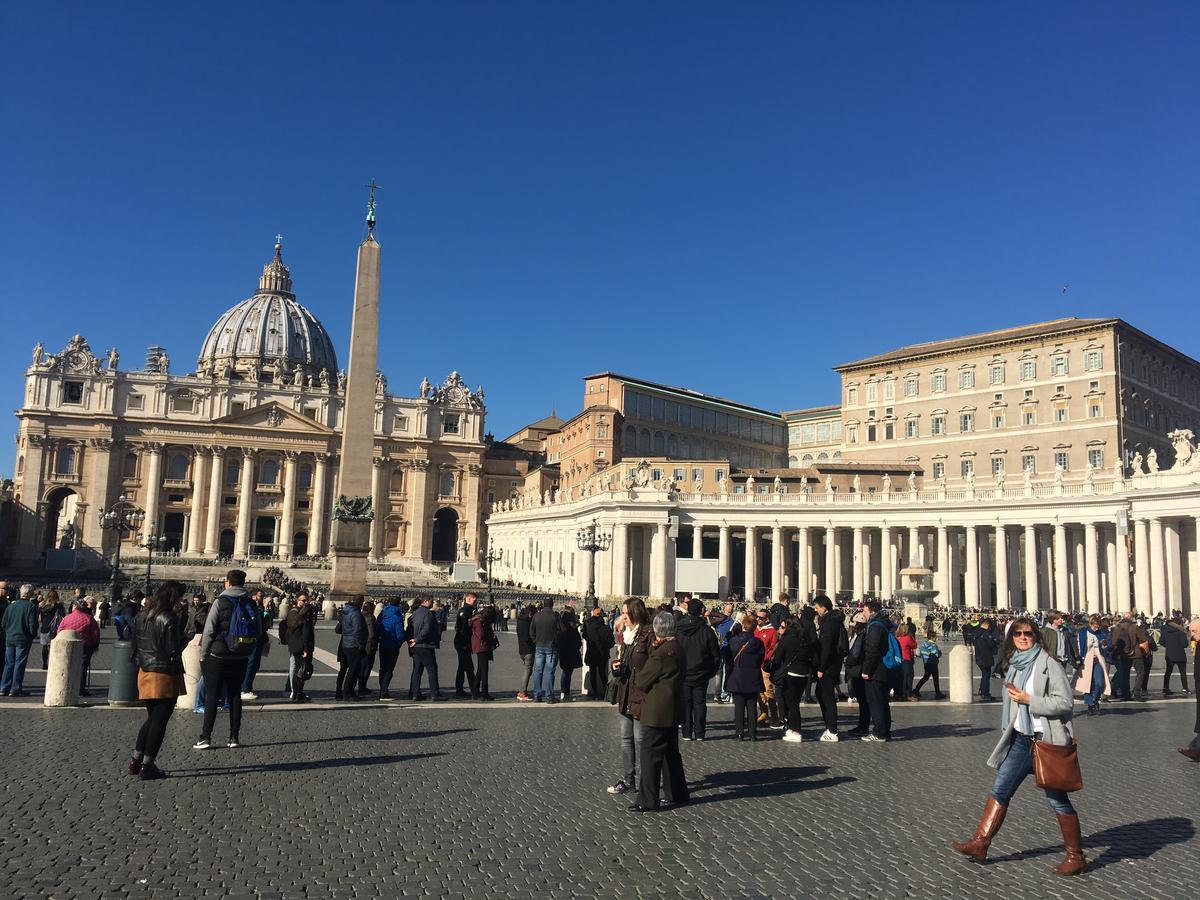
x=920, y=732
x=389, y=736
x=301, y=765
x=773, y=782
x=1134, y=840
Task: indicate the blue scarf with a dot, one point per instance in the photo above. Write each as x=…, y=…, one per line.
x=1020, y=665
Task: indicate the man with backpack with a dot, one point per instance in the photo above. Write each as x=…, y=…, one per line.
x=879, y=649
x=231, y=634
x=297, y=632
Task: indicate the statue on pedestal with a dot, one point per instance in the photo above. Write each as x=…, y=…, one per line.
x=39, y=353
x=1136, y=463
x=887, y=483
x=912, y=481
x=1152, y=461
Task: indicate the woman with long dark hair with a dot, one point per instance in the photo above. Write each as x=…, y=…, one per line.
x=1038, y=704
x=634, y=640
x=158, y=651
x=796, y=659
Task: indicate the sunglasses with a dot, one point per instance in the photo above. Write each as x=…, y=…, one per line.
x=1023, y=634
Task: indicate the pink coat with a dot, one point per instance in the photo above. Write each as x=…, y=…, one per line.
x=83, y=625
x=1083, y=683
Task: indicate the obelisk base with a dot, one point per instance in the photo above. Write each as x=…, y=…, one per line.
x=350, y=543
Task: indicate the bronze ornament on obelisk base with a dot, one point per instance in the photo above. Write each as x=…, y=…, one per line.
x=350, y=537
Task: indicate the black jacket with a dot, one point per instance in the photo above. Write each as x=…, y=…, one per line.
x=796, y=651
x=699, y=648
x=985, y=648
x=875, y=645
x=599, y=640
x=462, y=627
x=300, y=637
x=1174, y=640
x=570, y=647
x=831, y=639
x=524, y=643
x=543, y=630
x=158, y=643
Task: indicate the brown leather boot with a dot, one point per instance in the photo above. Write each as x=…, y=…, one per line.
x=1074, y=862
x=993, y=818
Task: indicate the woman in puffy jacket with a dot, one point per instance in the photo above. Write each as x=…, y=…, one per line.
x=158, y=652
x=795, y=659
x=746, y=654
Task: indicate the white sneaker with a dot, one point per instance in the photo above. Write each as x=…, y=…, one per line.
x=829, y=737
x=201, y=744
x=871, y=739
x=249, y=695
x=793, y=737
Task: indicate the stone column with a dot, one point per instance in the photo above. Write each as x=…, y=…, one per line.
x=831, y=573
x=666, y=561
x=776, y=562
x=751, y=562
x=100, y=452
x=1031, y=569
x=697, y=542
x=287, y=524
x=216, y=483
x=856, y=573
x=1158, y=568
x=1172, y=540
x=1002, y=600
x=241, y=541
x=1061, y=572
x=971, y=573
x=317, y=511
x=803, y=565
x=1108, y=599
x=620, y=559
x=915, y=556
x=1141, y=566
x=1091, y=565
x=195, y=539
x=153, y=488
x=724, y=562
x=941, y=575
x=985, y=569
x=377, y=503
x=887, y=567
x=418, y=509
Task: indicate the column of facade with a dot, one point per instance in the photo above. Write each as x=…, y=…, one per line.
x=971, y=572
x=697, y=542
x=831, y=574
x=666, y=562
x=377, y=504
x=941, y=574
x=620, y=559
x=287, y=523
x=100, y=492
x=1191, y=607
x=985, y=568
x=1002, y=600
x=1141, y=565
x=418, y=508
x=803, y=565
x=317, y=513
x=1172, y=539
x=916, y=554
x=1079, y=559
x=216, y=481
x=1158, y=568
x=241, y=542
x=1032, y=602
x=856, y=562
x=1091, y=567
x=887, y=569
x=751, y=562
x=1061, y=573
x=724, y=561
x=776, y=562
x=153, y=489
x=195, y=536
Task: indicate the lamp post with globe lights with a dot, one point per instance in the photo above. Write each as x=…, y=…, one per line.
x=591, y=540
x=151, y=541
x=123, y=517
x=492, y=557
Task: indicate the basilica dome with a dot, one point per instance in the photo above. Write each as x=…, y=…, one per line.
x=269, y=333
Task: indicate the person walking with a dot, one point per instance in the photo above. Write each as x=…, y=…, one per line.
x=483, y=644
x=50, y=614
x=157, y=634
x=984, y=645
x=908, y=653
x=661, y=682
x=875, y=673
x=634, y=638
x=525, y=648
x=746, y=656
x=1174, y=640
x=301, y=641
x=832, y=646
x=543, y=632
x=353, y=629
x=390, y=630
x=598, y=642
x=20, y=625
x=795, y=659
x=80, y=620
x=1037, y=707
x=931, y=658
x=570, y=651
x=701, y=653
x=1093, y=680
x=1123, y=643
x=462, y=649
x=1192, y=750
x=231, y=633
x=370, y=646
x=424, y=636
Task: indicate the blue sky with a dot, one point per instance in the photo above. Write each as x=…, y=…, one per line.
x=730, y=197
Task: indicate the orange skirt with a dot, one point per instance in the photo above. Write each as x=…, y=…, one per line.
x=160, y=685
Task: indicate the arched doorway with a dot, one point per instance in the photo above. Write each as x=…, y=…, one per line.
x=225, y=547
x=61, y=510
x=445, y=536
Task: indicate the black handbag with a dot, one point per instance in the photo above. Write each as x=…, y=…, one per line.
x=610, y=691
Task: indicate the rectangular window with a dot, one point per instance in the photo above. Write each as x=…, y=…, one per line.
x=231, y=501
x=938, y=383
x=939, y=425
x=72, y=392
x=939, y=470
x=720, y=474
x=677, y=474
x=1029, y=417
x=889, y=431
x=911, y=428
x=237, y=406
x=764, y=489
x=997, y=465
x=852, y=434
x=136, y=402
x=1058, y=365
x=1028, y=393
x=656, y=474
x=450, y=425
x=183, y=403
x=966, y=379
x=871, y=393
x=889, y=390
x=1028, y=370
x=870, y=434
x=967, y=467
x=997, y=420
x=910, y=387
x=851, y=396
x=739, y=489
x=996, y=375
x=1094, y=411
x=1029, y=462
x=601, y=432
x=697, y=474
x=1060, y=414
x=1096, y=458
x=1092, y=360
x=966, y=421
x=1062, y=460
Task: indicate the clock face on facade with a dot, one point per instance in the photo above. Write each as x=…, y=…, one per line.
x=75, y=360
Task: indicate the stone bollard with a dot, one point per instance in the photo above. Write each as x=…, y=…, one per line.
x=962, y=670
x=191, y=674
x=330, y=609
x=65, y=671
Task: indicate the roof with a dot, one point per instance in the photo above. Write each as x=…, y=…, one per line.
x=684, y=392
x=505, y=450
x=549, y=423
x=812, y=411
x=1004, y=335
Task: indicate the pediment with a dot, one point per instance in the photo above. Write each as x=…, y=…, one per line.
x=273, y=417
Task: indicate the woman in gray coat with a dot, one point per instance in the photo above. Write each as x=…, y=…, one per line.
x=1037, y=706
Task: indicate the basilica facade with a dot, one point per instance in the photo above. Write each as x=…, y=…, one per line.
x=239, y=456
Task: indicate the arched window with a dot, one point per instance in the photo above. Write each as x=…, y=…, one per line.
x=129, y=466
x=177, y=467
x=65, y=462
x=660, y=447
x=807, y=459
x=269, y=473
x=397, y=481
x=644, y=441
x=305, y=477
x=631, y=440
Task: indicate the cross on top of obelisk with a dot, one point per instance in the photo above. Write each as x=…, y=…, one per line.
x=371, y=206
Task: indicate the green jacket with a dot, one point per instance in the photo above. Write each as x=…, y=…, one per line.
x=661, y=678
x=20, y=623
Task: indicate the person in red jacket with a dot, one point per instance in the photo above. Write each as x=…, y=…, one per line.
x=83, y=623
x=768, y=706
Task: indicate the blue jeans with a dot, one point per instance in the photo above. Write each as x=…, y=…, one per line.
x=15, y=658
x=1016, y=766
x=1092, y=697
x=251, y=670
x=545, y=661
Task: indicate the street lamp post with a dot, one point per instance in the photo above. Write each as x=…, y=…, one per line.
x=591, y=540
x=152, y=541
x=122, y=518
x=492, y=557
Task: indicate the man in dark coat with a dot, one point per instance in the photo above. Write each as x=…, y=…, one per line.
x=831, y=643
x=598, y=642
x=300, y=644
x=985, y=657
x=543, y=631
x=661, y=680
x=462, y=646
x=424, y=637
x=701, y=653
x=875, y=673
x=1174, y=640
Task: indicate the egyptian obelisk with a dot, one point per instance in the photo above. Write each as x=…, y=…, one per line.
x=350, y=537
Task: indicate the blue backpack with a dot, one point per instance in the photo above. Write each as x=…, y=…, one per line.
x=245, y=627
x=892, y=658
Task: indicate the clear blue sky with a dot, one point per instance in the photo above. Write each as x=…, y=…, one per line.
x=728, y=196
